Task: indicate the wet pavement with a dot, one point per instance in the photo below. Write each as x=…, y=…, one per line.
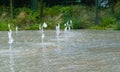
x=74, y=51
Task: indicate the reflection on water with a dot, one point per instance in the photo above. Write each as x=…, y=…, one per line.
x=11, y=61
x=74, y=51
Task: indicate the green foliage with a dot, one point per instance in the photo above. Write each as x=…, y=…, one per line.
x=77, y=24
x=25, y=17
x=82, y=17
x=4, y=21
x=117, y=10
x=32, y=27
x=67, y=15
x=117, y=26
x=52, y=11
x=3, y=27
x=52, y=16
x=96, y=28
x=66, y=9
x=55, y=15
x=107, y=22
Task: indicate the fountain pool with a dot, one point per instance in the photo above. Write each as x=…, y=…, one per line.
x=73, y=51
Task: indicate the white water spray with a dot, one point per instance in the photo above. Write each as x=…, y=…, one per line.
x=11, y=61
x=44, y=49
x=58, y=50
x=10, y=41
x=42, y=28
x=39, y=26
x=68, y=25
x=65, y=29
x=16, y=29
x=58, y=30
x=71, y=23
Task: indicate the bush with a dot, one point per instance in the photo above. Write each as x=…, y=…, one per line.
x=25, y=17
x=77, y=24
x=4, y=21
x=117, y=10
x=117, y=26
x=55, y=15
x=107, y=22
x=82, y=17
x=3, y=27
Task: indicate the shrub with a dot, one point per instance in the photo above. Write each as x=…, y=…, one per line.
x=25, y=17
x=82, y=17
x=77, y=24
x=117, y=26
x=117, y=10
x=107, y=22
x=3, y=27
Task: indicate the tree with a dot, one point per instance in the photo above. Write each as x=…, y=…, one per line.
x=41, y=9
x=11, y=9
x=34, y=4
x=88, y=2
x=112, y=4
x=96, y=19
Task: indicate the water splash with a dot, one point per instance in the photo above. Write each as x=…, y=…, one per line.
x=58, y=50
x=44, y=49
x=43, y=26
x=58, y=30
x=39, y=26
x=68, y=25
x=65, y=29
x=10, y=41
x=43, y=36
x=11, y=61
x=42, y=29
x=16, y=29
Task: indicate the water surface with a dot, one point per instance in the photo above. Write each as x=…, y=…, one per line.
x=74, y=51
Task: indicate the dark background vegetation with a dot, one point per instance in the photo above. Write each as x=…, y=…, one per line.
x=85, y=14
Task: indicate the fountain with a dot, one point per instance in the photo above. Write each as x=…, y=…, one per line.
x=57, y=36
x=39, y=26
x=11, y=61
x=44, y=50
x=42, y=28
x=65, y=29
x=79, y=51
x=68, y=25
x=16, y=29
x=58, y=30
x=10, y=41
